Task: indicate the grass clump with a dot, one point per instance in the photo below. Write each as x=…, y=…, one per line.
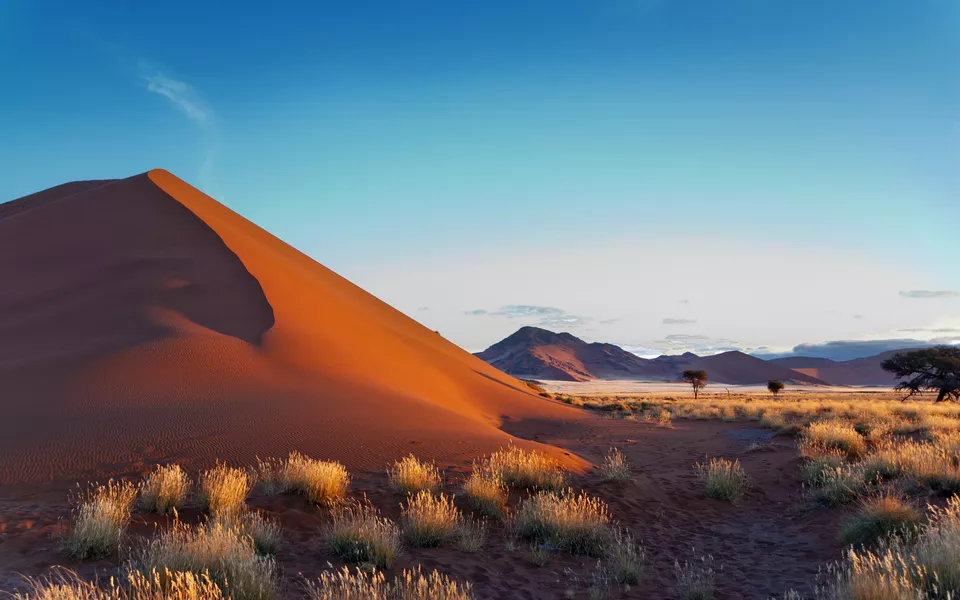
x=569, y=521
x=723, y=479
x=359, y=534
x=625, y=558
x=840, y=485
x=836, y=434
x=880, y=517
x=695, y=581
x=165, y=489
x=99, y=520
x=410, y=474
x=428, y=519
x=223, y=491
x=528, y=470
x=266, y=533
x=322, y=482
x=227, y=555
x=615, y=466
x=410, y=585
x=471, y=535
x=64, y=584
x=487, y=493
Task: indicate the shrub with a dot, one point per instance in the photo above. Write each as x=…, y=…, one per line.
x=836, y=434
x=165, y=489
x=409, y=475
x=695, y=581
x=615, y=466
x=724, y=480
x=226, y=554
x=522, y=469
x=486, y=492
x=573, y=522
x=99, y=520
x=359, y=534
x=223, y=491
x=429, y=519
x=322, y=482
x=625, y=558
x=880, y=517
x=539, y=554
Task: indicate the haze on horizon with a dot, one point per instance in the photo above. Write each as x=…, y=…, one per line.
x=667, y=175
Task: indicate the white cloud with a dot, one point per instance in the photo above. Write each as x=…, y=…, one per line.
x=927, y=294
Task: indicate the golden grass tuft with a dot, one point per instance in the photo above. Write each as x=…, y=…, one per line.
x=64, y=584
x=226, y=554
x=322, y=482
x=411, y=584
x=359, y=534
x=529, y=470
x=266, y=533
x=165, y=489
x=723, y=479
x=615, y=466
x=471, y=535
x=428, y=520
x=224, y=490
x=487, y=493
x=880, y=517
x=410, y=474
x=836, y=434
x=99, y=520
x=570, y=521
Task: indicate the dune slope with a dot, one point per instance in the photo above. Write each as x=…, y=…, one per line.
x=142, y=321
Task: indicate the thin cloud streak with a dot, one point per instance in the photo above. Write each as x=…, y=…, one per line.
x=927, y=294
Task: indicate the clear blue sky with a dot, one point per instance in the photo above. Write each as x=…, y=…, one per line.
x=611, y=167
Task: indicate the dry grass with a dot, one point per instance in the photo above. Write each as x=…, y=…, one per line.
x=487, y=493
x=695, y=581
x=528, y=470
x=723, y=479
x=359, y=534
x=100, y=520
x=615, y=466
x=165, y=489
x=837, y=435
x=880, y=517
x=266, y=533
x=625, y=558
x=224, y=490
x=155, y=585
x=410, y=474
x=428, y=520
x=226, y=554
x=410, y=585
x=471, y=535
x=573, y=522
x=322, y=482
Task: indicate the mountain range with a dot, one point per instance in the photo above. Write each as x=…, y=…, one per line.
x=535, y=353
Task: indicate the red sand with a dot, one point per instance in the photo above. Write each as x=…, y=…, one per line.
x=141, y=321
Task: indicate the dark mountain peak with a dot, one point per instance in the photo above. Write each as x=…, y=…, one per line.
x=538, y=335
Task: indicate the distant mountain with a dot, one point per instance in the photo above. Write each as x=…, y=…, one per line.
x=534, y=353
x=859, y=371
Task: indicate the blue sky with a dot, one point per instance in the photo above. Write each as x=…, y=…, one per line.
x=669, y=175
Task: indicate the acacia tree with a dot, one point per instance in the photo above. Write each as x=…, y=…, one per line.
x=934, y=369
x=697, y=379
x=775, y=385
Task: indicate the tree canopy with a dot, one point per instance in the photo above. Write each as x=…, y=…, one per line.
x=932, y=369
x=775, y=385
x=697, y=379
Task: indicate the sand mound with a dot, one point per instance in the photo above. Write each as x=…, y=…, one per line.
x=142, y=321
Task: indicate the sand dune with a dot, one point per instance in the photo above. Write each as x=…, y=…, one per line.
x=142, y=321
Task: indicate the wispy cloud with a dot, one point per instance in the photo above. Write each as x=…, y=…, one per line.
x=669, y=321
x=186, y=99
x=926, y=330
x=543, y=316
x=851, y=349
x=926, y=294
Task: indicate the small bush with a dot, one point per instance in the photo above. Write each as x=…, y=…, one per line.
x=724, y=480
x=428, y=520
x=359, y=534
x=540, y=554
x=223, y=491
x=165, y=489
x=879, y=518
x=625, y=558
x=695, y=581
x=615, y=466
x=409, y=475
x=529, y=470
x=226, y=554
x=487, y=493
x=573, y=522
x=836, y=434
x=99, y=520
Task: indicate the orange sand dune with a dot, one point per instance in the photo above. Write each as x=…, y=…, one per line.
x=142, y=321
